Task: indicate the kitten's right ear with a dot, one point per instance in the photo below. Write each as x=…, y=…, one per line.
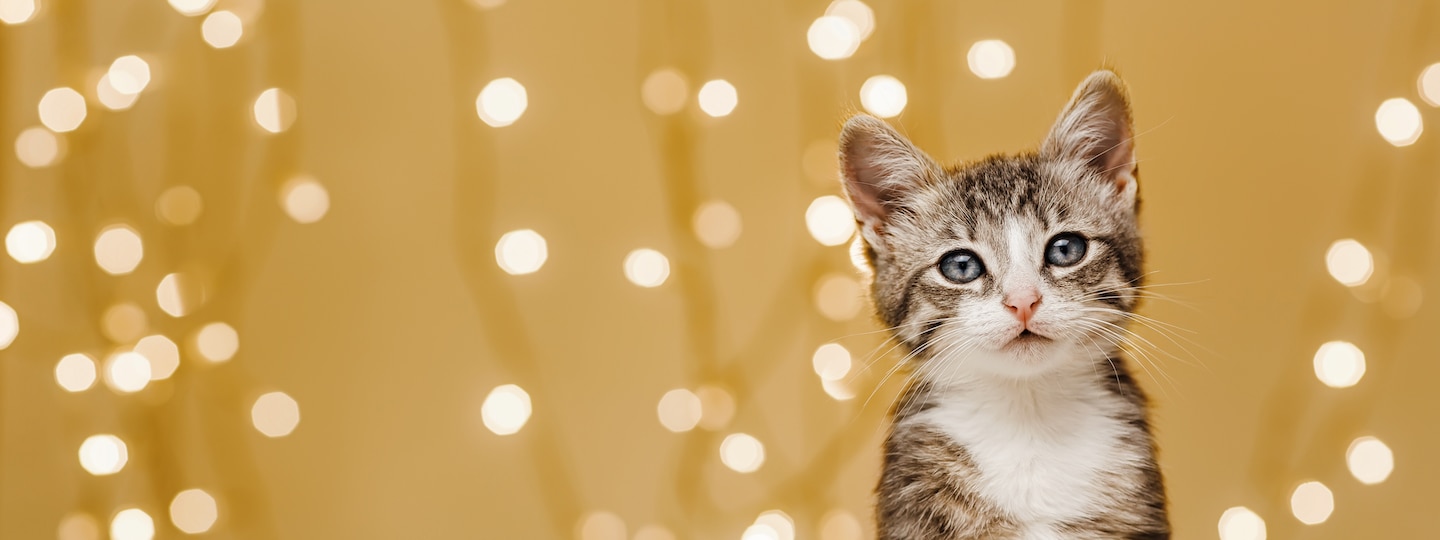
x=879, y=167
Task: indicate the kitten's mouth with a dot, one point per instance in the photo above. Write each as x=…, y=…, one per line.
x=1028, y=337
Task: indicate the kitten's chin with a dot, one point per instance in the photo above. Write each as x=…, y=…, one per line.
x=1024, y=356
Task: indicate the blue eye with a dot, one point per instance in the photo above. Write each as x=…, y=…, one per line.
x=1065, y=249
x=961, y=266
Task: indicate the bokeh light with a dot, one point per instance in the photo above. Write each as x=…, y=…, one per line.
x=304, y=199
x=647, y=268
x=132, y=524
x=1370, y=461
x=1339, y=364
x=832, y=37
x=275, y=110
x=1429, y=84
x=857, y=12
x=680, y=410
x=193, y=511
x=742, y=453
x=129, y=75
x=191, y=8
x=162, y=353
x=502, y=102
x=779, y=522
x=760, y=531
x=838, y=297
x=521, y=252
x=275, y=414
x=222, y=29
x=718, y=98
x=717, y=224
x=717, y=407
x=838, y=390
x=653, y=532
x=127, y=372
x=30, y=242
x=830, y=220
x=168, y=297
x=17, y=11
x=506, y=409
x=884, y=96
x=1241, y=523
x=9, y=325
x=840, y=525
x=78, y=526
x=179, y=205
x=831, y=362
x=104, y=454
x=1399, y=122
x=217, y=342
x=62, y=109
x=665, y=91
x=1312, y=503
x=990, y=59
x=75, y=372
x=1349, y=262
x=123, y=322
x=112, y=98
x=118, y=250
x=37, y=147
x=602, y=526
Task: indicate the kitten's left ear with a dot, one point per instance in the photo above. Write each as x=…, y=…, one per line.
x=1095, y=130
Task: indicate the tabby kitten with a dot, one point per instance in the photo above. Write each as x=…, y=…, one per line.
x=1009, y=280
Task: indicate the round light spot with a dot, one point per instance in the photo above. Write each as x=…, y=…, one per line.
x=679, y=410
x=123, y=323
x=37, y=147
x=506, y=409
x=304, y=199
x=665, y=91
x=1399, y=121
x=1312, y=503
x=1349, y=263
x=991, y=59
x=102, y=455
x=75, y=372
x=602, y=526
x=487, y=4
x=167, y=296
x=1370, y=460
x=1240, y=523
x=1339, y=364
x=858, y=259
x=1401, y=297
x=838, y=297
x=132, y=524
x=521, y=252
x=275, y=110
x=831, y=362
x=193, y=511
x=837, y=390
x=78, y=525
x=820, y=162
x=742, y=453
x=217, y=342
x=833, y=37
x=17, y=11
x=654, y=532
x=191, y=8
x=884, y=96
x=717, y=407
x=830, y=220
x=112, y=98
x=62, y=109
x=779, y=522
x=9, y=325
x=1429, y=84
x=222, y=29
x=127, y=372
x=502, y=102
x=760, y=531
x=840, y=525
x=717, y=224
x=30, y=242
x=857, y=12
x=129, y=75
x=179, y=205
x=275, y=414
x=647, y=268
x=163, y=355
x=118, y=250
x=718, y=98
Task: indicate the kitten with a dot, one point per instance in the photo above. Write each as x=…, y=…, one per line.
x=1009, y=280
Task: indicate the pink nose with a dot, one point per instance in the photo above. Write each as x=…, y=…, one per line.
x=1023, y=304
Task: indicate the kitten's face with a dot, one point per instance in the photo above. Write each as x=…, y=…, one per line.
x=1013, y=265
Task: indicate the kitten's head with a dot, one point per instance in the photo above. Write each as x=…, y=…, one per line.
x=1014, y=265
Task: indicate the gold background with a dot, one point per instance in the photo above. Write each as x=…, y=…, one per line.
x=389, y=321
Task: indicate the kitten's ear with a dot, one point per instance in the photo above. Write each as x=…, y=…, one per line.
x=879, y=167
x=1095, y=130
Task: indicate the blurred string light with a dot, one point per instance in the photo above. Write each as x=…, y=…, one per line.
x=217, y=342
x=1429, y=85
x=118, y=250
x=30, y=242
x=760, y=531
x=1349, y=262
x=718, y=98
x=779, y=522
x=123, y=322
x=679, y=410
x=274, y=110
x=163, y=355
x=838, y=297
x=506, y=409
x=17, y=11
x=602, y=525
x=487, y=4
x=1241, y=523
x=127, y=372
x=742, y=452
x=62, y=109
x=647, y=268
x=717, y=407
x=653, y=532
x=502, y=102
x=1339, y=364
x=1312, y=503
x=830, y=220
x=78, y=526
x=831, y=362
x=275, y=414
x=179, y=205
x=192, y=8
x=521, y=252
x=9, y=325
x=103, y=455
x=129, y=75
x=304, y=199
x=832, y=37
x=1399, y=122
x=883, y=96
x=665, y=91
x=991, y=59
x=840, y=525
x=222, y=29
x=38, y=147
x=75, y=372
x=717, y=224
x=193, y=511
x=168, y=297
x=1370, y=461
x=111, y=97
x=132, y=524
x=857, y=12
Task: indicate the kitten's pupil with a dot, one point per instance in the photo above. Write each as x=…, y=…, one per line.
x=1066, y=249
x=961, y=266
